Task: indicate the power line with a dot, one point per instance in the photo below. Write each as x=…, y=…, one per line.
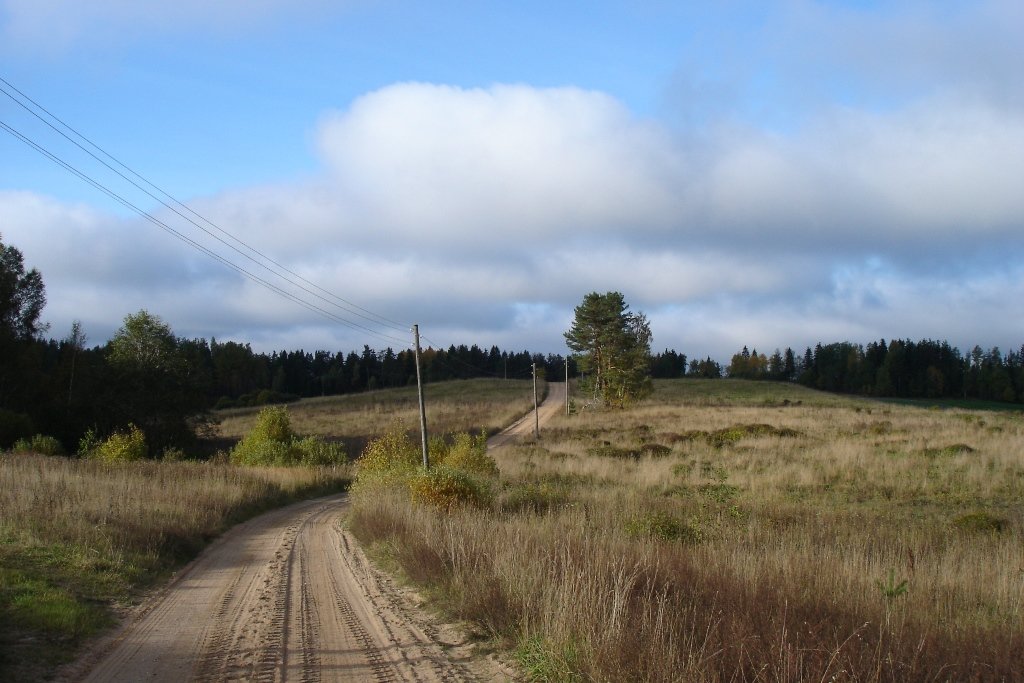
x=345, y=305
x=184, y=238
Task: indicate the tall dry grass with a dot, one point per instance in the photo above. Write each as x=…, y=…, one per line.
x=140, y=509
x=741, y=531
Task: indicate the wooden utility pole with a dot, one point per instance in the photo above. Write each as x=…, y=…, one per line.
x=536, y=408
x=419, y=390
x=567, y=386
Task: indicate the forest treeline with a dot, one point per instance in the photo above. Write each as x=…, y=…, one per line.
x=59, y=387
x=900, y=368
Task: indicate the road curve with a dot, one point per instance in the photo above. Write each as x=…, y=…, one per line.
x=286, y=596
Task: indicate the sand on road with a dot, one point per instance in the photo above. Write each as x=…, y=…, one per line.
x=286, y=596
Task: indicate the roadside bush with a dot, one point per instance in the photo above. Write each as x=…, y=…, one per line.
x=123, y=446
x=468, y=453
x=41, y=444
x=448, y=487
x=390, y=460
x=272, y=442
x=460, y=472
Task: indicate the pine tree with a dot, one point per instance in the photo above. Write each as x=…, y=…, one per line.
x=615, y=345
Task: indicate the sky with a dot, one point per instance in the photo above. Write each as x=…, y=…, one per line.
x=767, y=174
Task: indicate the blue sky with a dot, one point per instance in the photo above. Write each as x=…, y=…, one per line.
x=746, y=173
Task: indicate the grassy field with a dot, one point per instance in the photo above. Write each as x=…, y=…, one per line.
x=80, y=539
x=730, y=530
x=458, y=406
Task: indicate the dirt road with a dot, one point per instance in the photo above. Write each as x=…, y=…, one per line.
x=553, y=404
x=290, y=596
x=287, y=596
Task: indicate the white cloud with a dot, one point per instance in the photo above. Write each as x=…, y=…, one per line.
x=494, y=167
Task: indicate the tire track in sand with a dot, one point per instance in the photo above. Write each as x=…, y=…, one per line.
x=287, y=596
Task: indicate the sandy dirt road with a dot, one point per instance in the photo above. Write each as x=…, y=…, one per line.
x=553, y=404
x=290, y=596
x=287, y=596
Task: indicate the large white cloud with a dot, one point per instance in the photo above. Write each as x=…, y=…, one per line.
x=500, y=165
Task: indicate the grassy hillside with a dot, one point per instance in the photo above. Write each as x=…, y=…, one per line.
x=458, y=406
x=730, y=530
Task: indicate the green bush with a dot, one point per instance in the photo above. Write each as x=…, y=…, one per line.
x=315, y=452
x=390, y=460
x=40, y=443
x=465, y=452
x=663, y=527
x=271, y=442
x=537, y=497
x=123, y=446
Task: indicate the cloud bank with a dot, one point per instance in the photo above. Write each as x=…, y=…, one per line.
x=485, y=214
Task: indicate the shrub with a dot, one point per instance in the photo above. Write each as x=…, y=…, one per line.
x=123, y=446
x=88, y=443
x=468, y=453
x=948, y=451
x=536, y=497
x=608, y=451
x=389, y=460
x=663, y=527
x=448, y=487
x=655, y=450
x=980, y=522
x=315, y=452
x=459, y=472
x=172, y=454
x=272, y=442
x=40, y=443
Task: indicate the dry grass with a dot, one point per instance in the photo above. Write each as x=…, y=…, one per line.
x=741, y=531
x=458, y=406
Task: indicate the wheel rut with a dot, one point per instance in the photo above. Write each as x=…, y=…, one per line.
x=287, y=596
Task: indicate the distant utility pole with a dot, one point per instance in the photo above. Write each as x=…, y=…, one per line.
x=567, y=386
x=419, y=390
x=536, y=408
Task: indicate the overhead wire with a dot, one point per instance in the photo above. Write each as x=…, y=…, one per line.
x=345, y=305
x=189, y=241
